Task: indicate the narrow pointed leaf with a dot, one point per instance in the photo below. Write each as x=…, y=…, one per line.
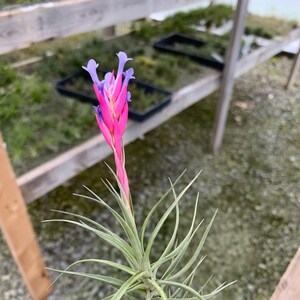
x=103, y=278
x=197, y=252
x=145, y=223
x=126, y=285
x=182, y=286
x=164, y=217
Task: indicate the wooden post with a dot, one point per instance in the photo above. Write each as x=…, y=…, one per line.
x=293, y=73
x=228, y=74
x=288, y=287
x=18, y=232
x=109, y=32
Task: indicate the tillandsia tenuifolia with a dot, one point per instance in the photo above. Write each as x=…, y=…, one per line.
x=171, y=275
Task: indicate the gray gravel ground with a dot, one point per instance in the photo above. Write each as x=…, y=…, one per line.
x=254, y=181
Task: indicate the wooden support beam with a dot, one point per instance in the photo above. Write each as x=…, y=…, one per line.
x=50, y=175
x=293, y=73
x=109, y=32
x=18, y=232
x=25, y=26
x=228, y=73
x=288, y=287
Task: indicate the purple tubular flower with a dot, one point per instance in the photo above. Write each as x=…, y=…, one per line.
x=92, y=69
x=123, y=96
x=98, y=112
x=128, y=75
x=118, y=82
x=122, y=61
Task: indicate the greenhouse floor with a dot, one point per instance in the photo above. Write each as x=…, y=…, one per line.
x=254, y=182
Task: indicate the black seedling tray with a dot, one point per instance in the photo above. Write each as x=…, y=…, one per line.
x=89, y=97
x=167, y=44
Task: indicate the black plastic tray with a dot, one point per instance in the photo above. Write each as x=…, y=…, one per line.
x=140, y=116
x=166, y=44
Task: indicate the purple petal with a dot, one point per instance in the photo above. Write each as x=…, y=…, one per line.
x=91, y=68
x=128, y=97
x=128, y=75
x=122, y=61
x=98, y=112
x=109, y=79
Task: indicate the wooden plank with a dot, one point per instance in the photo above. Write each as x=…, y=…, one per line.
x=22, y=27
x=228, y=73
x=26, y=62
x=263, y=54
x=293, y=73
x=109, y=32
x=289, y=285
x=48, y=176
x=18, y=232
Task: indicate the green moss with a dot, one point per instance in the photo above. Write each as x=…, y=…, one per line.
x=211, y=16
x=214, y=15
x=268, y=27
x=7, y=75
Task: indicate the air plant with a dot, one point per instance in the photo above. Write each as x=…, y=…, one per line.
x=166, y=277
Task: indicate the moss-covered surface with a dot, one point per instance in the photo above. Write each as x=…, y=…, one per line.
x=254, y=181
x=212, y=16
x=267, y=27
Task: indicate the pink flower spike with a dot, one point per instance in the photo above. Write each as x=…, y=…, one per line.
x=121, y=172
x=112, y=78
x=123, y=94
x=118, y=140
x=117, y=87
x=109, y=80
x=121, y=101
x=104, y=130
x=123, y=119
x=112, y=113
x=105, y=110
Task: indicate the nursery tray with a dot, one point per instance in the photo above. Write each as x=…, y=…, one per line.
x=167, y=44
x=81, y=93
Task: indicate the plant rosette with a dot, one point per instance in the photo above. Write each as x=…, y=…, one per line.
x=171, y=275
